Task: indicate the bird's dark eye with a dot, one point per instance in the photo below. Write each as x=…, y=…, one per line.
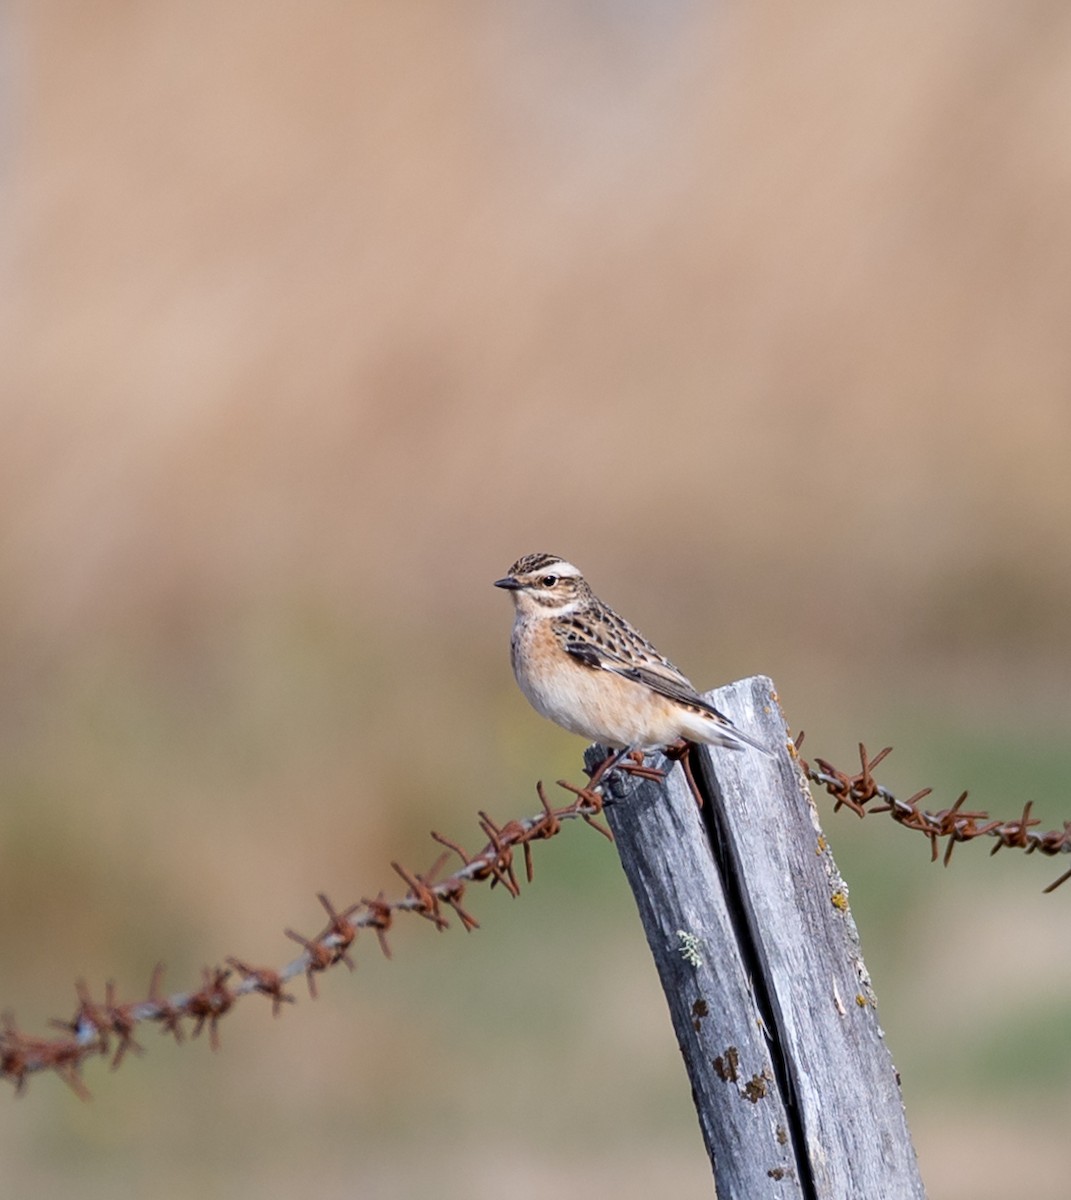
x=549, y=580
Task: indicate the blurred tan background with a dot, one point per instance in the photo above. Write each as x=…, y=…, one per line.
x=313, y=319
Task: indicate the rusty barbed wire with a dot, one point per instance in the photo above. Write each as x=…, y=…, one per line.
x=96, y=1026
x=859, y=790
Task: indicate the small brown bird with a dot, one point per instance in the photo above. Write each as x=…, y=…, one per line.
x=587, y=669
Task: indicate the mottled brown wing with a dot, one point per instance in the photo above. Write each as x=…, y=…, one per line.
x=665, y=681
x=584, y=652
x=674, y=687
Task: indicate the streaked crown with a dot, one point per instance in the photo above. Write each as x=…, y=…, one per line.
x=532, y=564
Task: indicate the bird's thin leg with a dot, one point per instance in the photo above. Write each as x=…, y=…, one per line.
x=613, y=762
x=607, y=765
x=682, y=752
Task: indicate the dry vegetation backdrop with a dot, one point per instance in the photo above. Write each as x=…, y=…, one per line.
x=313, y=318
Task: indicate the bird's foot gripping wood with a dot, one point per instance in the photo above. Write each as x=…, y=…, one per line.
x=639, y=767
x=633, y=763
x=630, y=762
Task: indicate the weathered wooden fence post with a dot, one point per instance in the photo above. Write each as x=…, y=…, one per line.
x=747, y=919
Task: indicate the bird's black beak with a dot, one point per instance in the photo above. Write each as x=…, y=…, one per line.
x=509, y=583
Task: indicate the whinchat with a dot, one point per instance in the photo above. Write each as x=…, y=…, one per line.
x=586, y=668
